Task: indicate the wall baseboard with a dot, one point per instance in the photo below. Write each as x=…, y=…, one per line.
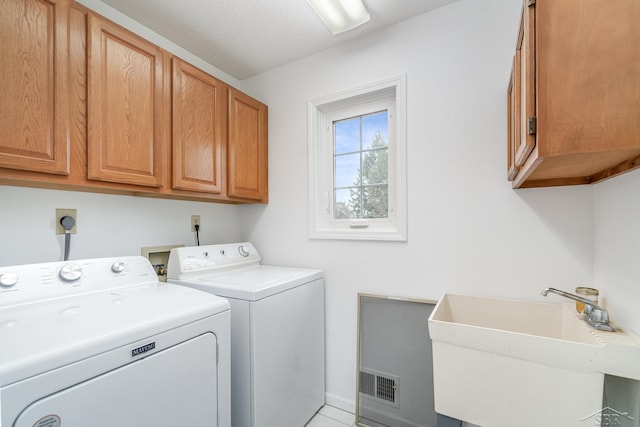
x=340, y=402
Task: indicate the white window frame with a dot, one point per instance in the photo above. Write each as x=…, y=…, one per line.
x=390, y=95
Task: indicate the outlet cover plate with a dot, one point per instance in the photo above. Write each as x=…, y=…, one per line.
x=62, y=213
x=195, y=219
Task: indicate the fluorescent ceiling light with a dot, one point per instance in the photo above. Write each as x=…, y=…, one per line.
x=340, y=15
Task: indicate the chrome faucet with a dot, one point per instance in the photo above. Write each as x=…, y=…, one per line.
x=595, y=316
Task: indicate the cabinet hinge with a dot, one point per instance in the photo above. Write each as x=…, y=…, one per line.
x=531, y=3
x=531, y=125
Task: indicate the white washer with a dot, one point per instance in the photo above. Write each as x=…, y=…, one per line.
x=102, y=343
x=277, y=331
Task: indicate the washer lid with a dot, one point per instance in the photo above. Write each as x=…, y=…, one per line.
x=43, y=336
x=254, y=283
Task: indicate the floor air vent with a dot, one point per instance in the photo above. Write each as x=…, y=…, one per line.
x=379, y=386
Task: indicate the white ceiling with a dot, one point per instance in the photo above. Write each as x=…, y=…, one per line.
x=247, y=37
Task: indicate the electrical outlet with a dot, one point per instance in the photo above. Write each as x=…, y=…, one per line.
x=60, y=213
x=195, y=220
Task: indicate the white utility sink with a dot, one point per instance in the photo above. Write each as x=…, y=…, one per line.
x=500, y=362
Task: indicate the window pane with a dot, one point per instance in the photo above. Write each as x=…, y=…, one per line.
x=347, y=169
x=346, y=200
x=375, y=166
x=375, y=202
x=375, y=130
x=361, y=174
x=347, y=135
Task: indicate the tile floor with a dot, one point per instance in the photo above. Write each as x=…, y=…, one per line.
x=329, y=416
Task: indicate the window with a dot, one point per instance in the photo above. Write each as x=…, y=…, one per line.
x=357, y=164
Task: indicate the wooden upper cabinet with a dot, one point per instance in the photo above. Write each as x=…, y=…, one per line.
x=34, y=106
x=247, y=159
x=581, y=79
x=87, y=105
x=126, y=106
x=199, y=130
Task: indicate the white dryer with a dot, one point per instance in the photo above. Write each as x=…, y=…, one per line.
x=277, y=331
x=102, y=343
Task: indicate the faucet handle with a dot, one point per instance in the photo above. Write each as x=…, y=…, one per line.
x=599, y=316
x=599, y=319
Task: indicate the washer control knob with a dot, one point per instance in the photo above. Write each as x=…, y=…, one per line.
x=118, y=266
x=243, y=251
x=7, y=280
x=70, y=272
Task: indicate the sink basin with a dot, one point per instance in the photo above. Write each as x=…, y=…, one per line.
x=500, y=362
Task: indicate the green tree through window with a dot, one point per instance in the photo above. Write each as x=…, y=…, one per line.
x=361, y=165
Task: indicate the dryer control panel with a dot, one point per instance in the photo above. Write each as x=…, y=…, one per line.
x=23, y=284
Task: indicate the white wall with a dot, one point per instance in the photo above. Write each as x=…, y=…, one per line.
x=108, y=225
x=617, y=247
x=469, y=232
x=617, y=268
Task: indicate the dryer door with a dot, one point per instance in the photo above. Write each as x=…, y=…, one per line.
x=175, y=387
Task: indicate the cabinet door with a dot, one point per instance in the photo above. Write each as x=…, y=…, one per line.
x=513, y=118
x=526, y=52
x=198, y=129
x=126, y=120
x=247, y=166
x=34, y=110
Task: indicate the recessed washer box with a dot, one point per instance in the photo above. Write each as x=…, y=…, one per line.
x=159, y=258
